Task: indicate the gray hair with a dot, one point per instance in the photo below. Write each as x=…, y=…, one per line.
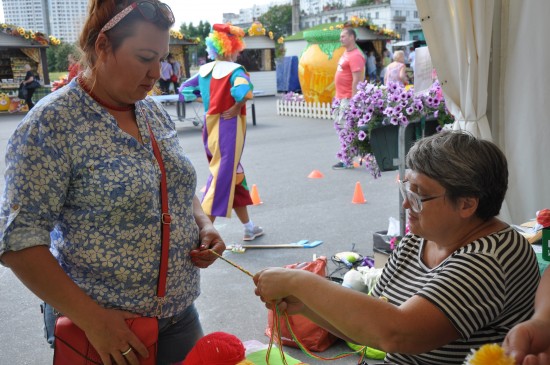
x=399, y=56
x=465, y=166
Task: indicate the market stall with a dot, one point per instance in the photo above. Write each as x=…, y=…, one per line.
x=179, y=49
x=19, y=47
x=258, y=58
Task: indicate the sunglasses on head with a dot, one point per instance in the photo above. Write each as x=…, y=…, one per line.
x=151, y=10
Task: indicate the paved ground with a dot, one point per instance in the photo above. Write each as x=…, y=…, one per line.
x=280, y=152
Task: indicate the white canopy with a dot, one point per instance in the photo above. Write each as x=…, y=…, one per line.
x=402, y=43
x=460, y=35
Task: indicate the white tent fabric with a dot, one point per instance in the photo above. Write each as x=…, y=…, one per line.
x=458, y=34
x=524, y=102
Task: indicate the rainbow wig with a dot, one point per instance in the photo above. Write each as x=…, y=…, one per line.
x=224, y=40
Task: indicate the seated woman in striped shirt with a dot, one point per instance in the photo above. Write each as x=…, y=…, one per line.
x=461, y=278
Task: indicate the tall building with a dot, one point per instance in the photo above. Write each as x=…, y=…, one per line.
x=61, y=18
x=247, y=15
x=398, y=15
x=28, y=14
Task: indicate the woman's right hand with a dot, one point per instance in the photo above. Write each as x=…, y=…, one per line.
x=110, y=336
x=272, y=288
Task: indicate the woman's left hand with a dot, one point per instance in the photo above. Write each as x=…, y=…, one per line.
x=209, y=239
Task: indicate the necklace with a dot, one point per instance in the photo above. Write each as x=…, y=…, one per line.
x=101, y=102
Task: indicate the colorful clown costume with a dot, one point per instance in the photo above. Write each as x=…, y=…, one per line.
x=221, y=84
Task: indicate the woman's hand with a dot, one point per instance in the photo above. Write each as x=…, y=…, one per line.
x=529, y=343
x=209, y=239
x=111, y=337
x=272, y=284
x=271, y=288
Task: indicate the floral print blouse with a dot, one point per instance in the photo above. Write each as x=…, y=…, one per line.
x=79, y=184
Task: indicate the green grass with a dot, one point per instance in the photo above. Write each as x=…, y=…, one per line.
x=56, y=75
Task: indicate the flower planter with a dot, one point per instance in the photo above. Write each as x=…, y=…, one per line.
x=373, y=119
x=385, y=142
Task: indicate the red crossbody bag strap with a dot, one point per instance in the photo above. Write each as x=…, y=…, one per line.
x=165, y=223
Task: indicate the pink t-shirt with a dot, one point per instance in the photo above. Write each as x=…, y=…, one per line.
x=351, y=61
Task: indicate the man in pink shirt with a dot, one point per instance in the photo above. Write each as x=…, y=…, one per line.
x=350, y=72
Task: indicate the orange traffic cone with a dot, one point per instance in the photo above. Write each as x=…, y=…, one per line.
x=358, y=197
x=316, y=174
x=255, y=195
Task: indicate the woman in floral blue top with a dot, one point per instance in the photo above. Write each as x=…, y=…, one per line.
x=80, y=214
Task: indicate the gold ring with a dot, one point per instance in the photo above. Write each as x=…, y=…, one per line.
x=127, y=351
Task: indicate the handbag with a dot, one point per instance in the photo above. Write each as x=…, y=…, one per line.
x=311, y=336
x=22, y=92
x=174, y=78
x=32, y=85
x=71, y=346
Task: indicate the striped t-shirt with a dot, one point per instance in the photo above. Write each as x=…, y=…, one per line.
x=484, y=289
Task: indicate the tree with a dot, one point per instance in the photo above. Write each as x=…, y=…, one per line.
x=57, y=56
x=363, y=2
x=278, y=19
x=201, y=31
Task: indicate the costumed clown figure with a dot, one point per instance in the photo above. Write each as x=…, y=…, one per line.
x=224, y=87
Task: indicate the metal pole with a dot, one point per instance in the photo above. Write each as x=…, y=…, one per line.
x=401, y=163
x=253, y=113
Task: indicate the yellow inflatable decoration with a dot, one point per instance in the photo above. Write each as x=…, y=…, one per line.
x=318, y=65
x=4, y=102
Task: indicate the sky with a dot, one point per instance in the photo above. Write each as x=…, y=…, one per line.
x=211, y=10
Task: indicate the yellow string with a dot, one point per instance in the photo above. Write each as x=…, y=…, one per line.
x=276, y=326
x=231, y=263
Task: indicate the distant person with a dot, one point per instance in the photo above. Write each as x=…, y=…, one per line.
x=166, y=73
x=371, y=67
x=30, y=83
x=176, y=73
x=224, y=87
x=74, y=67
x=349, y=73
x=386, y=60
x=396, y=70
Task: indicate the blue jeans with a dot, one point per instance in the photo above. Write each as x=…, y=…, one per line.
x=177, y=334
x=372, y=76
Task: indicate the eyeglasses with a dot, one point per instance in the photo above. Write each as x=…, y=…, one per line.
x=413, y=198
x=149, y=9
